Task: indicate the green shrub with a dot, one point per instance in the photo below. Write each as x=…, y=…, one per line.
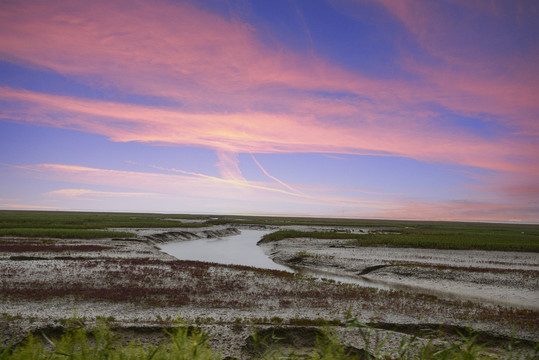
x=80, y=343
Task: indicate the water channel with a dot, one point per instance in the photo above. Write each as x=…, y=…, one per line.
x=242, y=249
x=236, y=249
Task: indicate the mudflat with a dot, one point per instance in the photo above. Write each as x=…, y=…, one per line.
x=497, y=277
x=141, y=290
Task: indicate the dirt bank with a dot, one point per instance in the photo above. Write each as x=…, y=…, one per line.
x=156, y=235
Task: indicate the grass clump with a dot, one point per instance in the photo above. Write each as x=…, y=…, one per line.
x=81, y=343
x=466, y=347
x=184, y=342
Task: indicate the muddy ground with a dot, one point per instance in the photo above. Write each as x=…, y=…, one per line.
x=497, y=277
x=140, y=290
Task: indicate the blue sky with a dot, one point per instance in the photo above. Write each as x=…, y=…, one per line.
x=367, y=109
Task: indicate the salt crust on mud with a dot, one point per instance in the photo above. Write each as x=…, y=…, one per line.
x=22, y=315
x=502, y=287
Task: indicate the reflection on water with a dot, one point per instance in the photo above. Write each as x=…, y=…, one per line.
x=237, y=249
x=242, y=250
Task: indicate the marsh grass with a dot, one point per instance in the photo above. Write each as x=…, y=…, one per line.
x=283, y=221
x=444, y=235
x=434, y=235
x=90, y=220
x=79, y=342
x=82, y=225
x=471, y=236
x=466, y=347
x=64, y=233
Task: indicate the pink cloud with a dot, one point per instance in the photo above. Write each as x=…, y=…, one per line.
x=88, y=193
x=463, y=210
x=178, y=183
x=197, y=57
x=205, y=60
x=481, y=72
x=257, y=132
x=175, y=182
x=229, y=166
x=129, y=44
x=180, y=187
x=14, y=206
x=506, y=188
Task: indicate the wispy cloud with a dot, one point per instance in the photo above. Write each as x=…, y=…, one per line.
x=177, y=185
x=464, y=210
x=473, y=70
x=334, y=157
x=247, y=185
x=229, y=166
x=180, y=182
x=273, y=177
x=261, y=132
x=88, y=193
x=14, y=206
x=271, y=95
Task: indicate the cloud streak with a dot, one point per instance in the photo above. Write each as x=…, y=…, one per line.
x=195, y=56
x=273, y=177
x=88, y=193
x=259, y=132
x=178, y=184
x=229, y=166
x=464, y=210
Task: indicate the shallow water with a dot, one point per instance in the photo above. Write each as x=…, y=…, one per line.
x=242, y=249
x=237, y=249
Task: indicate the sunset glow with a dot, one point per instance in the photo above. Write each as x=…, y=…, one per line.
x=341, y=108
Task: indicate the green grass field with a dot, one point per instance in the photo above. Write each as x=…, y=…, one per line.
x=283, y=221
x=83, y=225
x=435, y=235
x=443, y=235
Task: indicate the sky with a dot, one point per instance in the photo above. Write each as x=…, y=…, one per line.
x=413, y=109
